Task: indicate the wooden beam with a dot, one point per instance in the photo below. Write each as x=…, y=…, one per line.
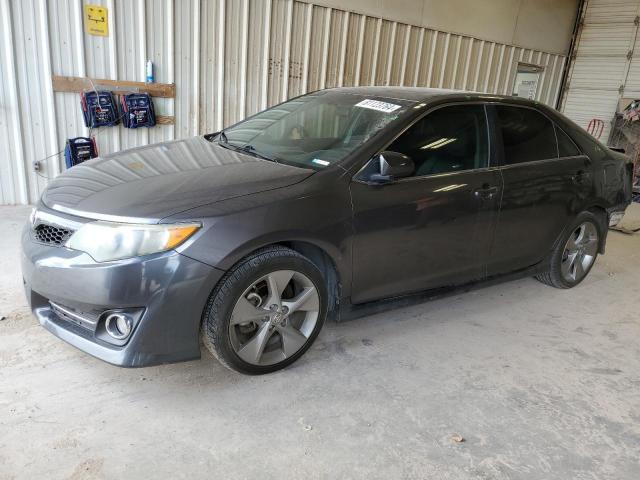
x=81, y=84
x=165, y=120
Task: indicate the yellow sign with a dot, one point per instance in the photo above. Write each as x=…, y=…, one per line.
x=95, y=20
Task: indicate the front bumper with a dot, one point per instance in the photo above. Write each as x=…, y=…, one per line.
x=169, y=289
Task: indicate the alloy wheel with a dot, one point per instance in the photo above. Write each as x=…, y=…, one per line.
x=579, y=252
x=273, y=318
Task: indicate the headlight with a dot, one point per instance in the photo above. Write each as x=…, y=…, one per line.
x=106, y=241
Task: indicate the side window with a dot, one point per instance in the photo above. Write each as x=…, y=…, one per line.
x=447, y=140
x=566, y=147
x=527, y=135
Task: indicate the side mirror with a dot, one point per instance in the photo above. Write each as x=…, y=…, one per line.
x=393, y=165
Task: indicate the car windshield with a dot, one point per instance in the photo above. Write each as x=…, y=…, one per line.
x=315, y=130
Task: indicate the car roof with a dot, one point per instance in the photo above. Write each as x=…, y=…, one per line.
x=428, y=95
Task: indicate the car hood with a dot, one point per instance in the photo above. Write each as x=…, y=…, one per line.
x=150, y=183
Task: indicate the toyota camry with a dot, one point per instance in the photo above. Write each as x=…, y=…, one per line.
x=249, y=238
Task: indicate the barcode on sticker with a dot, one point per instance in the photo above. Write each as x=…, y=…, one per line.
x=378, y=105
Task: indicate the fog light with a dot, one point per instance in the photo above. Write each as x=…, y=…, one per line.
x=118, y=325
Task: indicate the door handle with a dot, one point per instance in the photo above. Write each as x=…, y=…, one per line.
x=485, y=192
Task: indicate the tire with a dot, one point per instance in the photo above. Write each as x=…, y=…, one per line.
x=249, y=328
x=582, y=239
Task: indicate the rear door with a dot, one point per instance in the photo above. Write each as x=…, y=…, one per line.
x=434, y=228
x=545, y=182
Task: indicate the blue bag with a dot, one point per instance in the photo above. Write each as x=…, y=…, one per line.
x=99, y=109
x=78, y=150
x=137, y=110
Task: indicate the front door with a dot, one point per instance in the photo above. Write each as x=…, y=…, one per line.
x=435, y=228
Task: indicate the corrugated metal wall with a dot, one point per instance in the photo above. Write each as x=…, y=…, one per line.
x=607, y=62
x=228, y=59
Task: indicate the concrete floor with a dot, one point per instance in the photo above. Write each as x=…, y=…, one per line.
x=541, y=383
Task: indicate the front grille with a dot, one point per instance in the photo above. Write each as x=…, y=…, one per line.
x=83, y=320
x=52, y=235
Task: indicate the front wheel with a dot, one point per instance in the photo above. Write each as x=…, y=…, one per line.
x=575, y=255
x=266, y=311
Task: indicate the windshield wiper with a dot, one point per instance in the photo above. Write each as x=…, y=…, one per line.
x=248, y=148
x=251, y=150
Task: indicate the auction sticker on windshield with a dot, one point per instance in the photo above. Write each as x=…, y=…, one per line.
x=378, y=105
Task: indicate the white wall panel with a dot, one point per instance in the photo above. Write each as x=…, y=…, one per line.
x=159, y=49
x=67, y=58
x=31, y=68
x=188, y=65
x=228, y=59
x=604, y=65
x=13, y=178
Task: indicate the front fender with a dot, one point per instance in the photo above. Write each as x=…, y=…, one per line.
x=233, y=229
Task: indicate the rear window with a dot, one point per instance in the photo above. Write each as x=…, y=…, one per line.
x=527, y=135
x=566, y=147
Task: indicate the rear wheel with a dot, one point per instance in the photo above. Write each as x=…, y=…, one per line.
x=574, y=257
x=266, y=311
